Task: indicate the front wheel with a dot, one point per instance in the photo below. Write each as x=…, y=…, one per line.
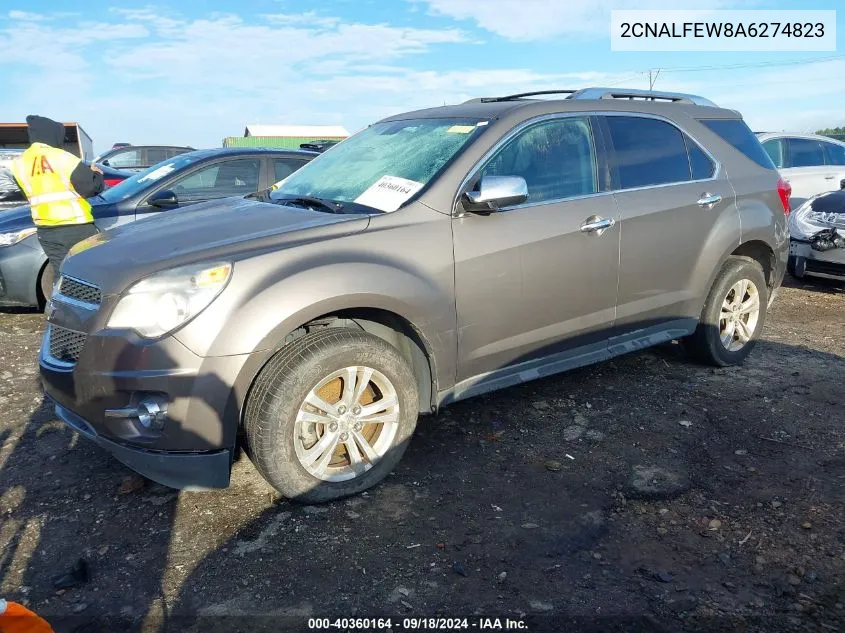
x=45, y=285
x=330, y=415
x=733, y=315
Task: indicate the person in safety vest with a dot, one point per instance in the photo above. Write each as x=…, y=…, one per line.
x=16, y=618
x=56, y=183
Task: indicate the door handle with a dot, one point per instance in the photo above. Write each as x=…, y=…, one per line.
x=829, y=177
x=709, y=200
x=597, y=225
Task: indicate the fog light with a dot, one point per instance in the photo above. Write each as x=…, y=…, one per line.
x=151, y=414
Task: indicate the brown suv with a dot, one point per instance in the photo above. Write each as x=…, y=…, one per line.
x=433, y=256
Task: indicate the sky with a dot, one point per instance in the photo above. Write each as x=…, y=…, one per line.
x=155, y=74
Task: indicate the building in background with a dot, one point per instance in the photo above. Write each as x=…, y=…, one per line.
x=77, y=141
x=285, y=136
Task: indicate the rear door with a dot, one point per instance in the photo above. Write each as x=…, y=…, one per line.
x=806, y=169
x=530, y=281
x=671, y=194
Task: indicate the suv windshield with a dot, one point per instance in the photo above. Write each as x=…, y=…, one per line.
x=382, y=166
x=144, y=179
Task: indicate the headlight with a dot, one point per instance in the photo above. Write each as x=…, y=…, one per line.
x=159, y=304
x=804, y=222
x=7, y=239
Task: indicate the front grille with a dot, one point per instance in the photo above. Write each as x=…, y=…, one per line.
x=80, y=291
x=65, y=345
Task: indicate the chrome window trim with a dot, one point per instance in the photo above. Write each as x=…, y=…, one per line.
x=479, y=164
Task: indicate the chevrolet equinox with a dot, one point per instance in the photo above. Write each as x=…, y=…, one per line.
x=433, y=256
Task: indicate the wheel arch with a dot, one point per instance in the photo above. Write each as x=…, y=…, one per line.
x=387, y=325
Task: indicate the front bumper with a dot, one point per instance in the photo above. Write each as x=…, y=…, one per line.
x=176, y=470
x=191, y=443
x=829, y=264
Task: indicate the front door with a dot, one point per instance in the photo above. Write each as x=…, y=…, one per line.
x=538, y=279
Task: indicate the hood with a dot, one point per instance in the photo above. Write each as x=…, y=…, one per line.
x=230, y=228
x=15, y=219
x=20, y=217
x=44, y=130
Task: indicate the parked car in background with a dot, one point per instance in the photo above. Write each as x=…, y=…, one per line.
x=817, y=236
x=318, y=146
x=139, y=157
x=434, y=256
x=25, y=278
x=12, y=196
x=810, y=163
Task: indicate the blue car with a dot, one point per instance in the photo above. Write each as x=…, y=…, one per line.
x=25, y=277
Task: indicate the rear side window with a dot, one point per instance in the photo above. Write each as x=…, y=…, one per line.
x=804, y=152
x=699, y=162
x=648, y=152
x=834, y=154
x=738, y=134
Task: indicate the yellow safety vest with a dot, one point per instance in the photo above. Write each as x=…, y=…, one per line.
x=43, y=172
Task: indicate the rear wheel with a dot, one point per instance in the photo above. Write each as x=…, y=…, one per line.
x=733, y=314
x=330, y=415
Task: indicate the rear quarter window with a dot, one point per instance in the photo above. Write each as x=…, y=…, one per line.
x=738, y=134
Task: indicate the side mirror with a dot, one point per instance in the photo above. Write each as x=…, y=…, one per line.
x=164, y=199
x=495, y=192
x=842, y=184
x=105, y=162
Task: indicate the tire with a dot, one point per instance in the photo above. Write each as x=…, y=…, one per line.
x=706, y=343
x=281, y=428
x=45, y=285
x=796, y=266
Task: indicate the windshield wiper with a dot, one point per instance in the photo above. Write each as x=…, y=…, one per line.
x=309, y=202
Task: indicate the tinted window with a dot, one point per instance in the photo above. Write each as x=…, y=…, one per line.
x=805, y=153
x=648, y=151
x=738, y=134
x=227, y=178
x=284, y=167
x=833, y=154
x=128, y=158
x=776, y=149
x=700, y=164
x=556, y=158
x=156, y=156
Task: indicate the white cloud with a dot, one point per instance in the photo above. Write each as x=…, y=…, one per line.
x=25, y=16
x=524, y=20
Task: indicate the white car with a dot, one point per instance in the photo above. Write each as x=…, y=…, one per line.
x=811, y=164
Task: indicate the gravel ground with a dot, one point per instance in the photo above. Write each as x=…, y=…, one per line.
x=643, y=494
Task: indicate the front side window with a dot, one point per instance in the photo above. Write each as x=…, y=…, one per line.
x=776, y=149
x=220, y=180
x=128, y=158
x=556, y=158
x=648, y=152
x=833, y=154
x=383, y=166
x=805, y=153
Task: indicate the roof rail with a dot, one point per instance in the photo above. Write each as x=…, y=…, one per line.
x=606, y=93
x=647, y=95
x=526, y=94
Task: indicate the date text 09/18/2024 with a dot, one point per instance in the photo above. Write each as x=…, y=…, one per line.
x=416, y=624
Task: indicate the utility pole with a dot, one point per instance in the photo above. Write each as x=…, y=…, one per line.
x=652, y=78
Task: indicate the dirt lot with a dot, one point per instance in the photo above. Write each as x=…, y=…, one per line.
x=644, y=494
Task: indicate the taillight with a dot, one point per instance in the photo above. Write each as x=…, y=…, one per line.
x=111, y=182
x=784, y=191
